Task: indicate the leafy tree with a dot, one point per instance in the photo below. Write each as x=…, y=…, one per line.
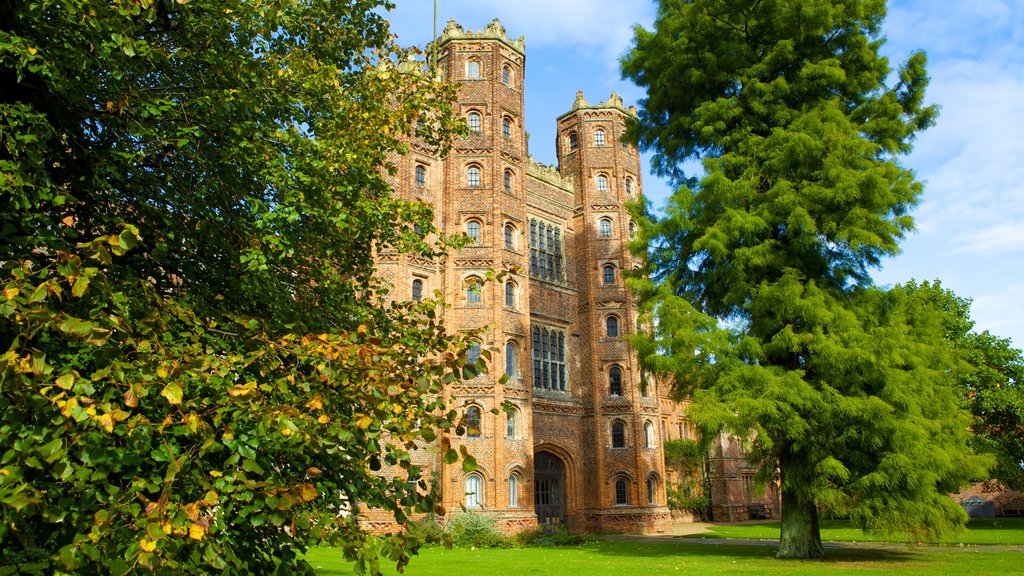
x=989, y=380
x=198, y=371
x=759, y=272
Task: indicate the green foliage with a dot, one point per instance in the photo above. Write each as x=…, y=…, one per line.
x=989, y=380
x=473, y=530
x=198, y=370
x=683, y=455
x=549, y=535
x=685, y=495
x=759, y=273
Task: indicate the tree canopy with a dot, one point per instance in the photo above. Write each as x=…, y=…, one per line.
x=198, y=370
x=764, y=310
x=989, y=381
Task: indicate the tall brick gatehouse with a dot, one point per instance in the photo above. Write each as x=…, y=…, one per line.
x=583, y=444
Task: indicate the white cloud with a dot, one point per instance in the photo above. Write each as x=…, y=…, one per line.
x=603, y=26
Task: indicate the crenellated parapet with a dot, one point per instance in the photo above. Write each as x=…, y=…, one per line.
x=493, y=31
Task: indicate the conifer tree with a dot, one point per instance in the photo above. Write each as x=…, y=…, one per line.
x=763, y=307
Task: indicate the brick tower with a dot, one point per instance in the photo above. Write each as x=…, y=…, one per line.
x=580, y=442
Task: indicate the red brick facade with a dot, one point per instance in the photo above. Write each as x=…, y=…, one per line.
x=585, y=445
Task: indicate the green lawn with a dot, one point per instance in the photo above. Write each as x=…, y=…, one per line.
x=688, y=557
x=979, y=531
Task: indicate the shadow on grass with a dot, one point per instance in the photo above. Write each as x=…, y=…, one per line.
x=690, y=548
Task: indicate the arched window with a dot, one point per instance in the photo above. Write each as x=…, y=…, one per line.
x=615, y=381
x=632, y=230
x=512, y=424
x=510, y=237
x=602, y=183
x=473, y=354
x=421, y=175
x=506, y=127
x=574, y=141
x=629, y=186
x=621, y=492
x=473, y=422
x=604, y=228
x=473, y=69
x=608, y=274
x=510, y=295
x=508, y=181
x=511, y=359
x=612, y=325
x=417, y=290
x=648, y=435
x=506, y=75
x=474, y=491
x=652, y=487
x=599, y=137
x=473, y=177
x=513, y=491
x=473, y=231
x=618, y=434
x=474, y=291
x=473, y=120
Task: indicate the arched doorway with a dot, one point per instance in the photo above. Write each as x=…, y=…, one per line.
x=549, y=488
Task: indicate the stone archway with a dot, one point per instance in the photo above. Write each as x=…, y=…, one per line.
x=549, y=488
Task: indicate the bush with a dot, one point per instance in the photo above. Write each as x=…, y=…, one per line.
x=469, y=530
x=552, y=535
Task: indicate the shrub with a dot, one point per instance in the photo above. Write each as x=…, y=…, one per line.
x=469, y=530
x=552, y=535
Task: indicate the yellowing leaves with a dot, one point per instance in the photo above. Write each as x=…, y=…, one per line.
x=196, y=531
x=324, y=419
x=242, y=389
x=147, y=545
x=364, y=422
x=11, y=293
x=307, y=492
x=172, y=392
x=316, y=403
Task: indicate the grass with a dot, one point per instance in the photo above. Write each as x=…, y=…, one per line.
x=980, y=531
x=656, y=558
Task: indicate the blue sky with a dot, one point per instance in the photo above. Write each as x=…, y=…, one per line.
x=970, y=223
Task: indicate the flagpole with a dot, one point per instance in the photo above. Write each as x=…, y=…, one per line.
x=433, y=43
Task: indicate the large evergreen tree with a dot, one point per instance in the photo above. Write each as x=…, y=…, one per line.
x=198, y=371
x=759, y=273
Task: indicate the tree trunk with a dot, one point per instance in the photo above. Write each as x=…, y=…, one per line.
x=801, y=536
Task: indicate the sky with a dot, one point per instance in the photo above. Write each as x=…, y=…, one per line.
x=970, y=221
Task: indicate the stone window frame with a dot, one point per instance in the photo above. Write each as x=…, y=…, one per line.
x=609, y=273
x=613, y=326
x=474, y=72
x=417, y=289
x=420, y=175
x=510, y=233
x=475, y=121
x=616, y=389
x=475, y=230
x=605, y=227
x=511, y=295
x=601, y=182
x=474, y=490
x=649, y=435
x=474, y=421
x=629, y=187
x=652, y=483
x=474, y=290
x=512, y=358
x=574, y=140
x=474, y=176
x=507, y=126
x=506, y=75
x=618, y=437
x=508, y=180
x=621, y=491
x=513, y=490
x=599, y=137
x=549, y=357
x=513, y=418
